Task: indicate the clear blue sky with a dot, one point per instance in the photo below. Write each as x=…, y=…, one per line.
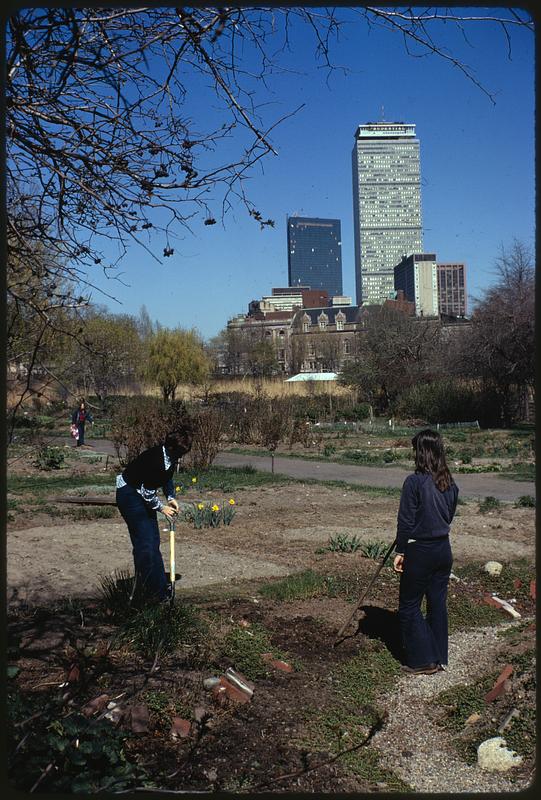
x=477, y=169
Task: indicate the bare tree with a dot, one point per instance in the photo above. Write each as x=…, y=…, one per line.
x=105, y=140
x=500, y=346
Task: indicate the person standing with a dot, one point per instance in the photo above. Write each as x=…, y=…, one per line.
x=423, y=555
x=138, y=502
x=79, y=418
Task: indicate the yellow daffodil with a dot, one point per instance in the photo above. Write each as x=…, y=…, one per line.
x=215, y=507
x=178, y=488
x=200, y=506
x=231, y=502
x=194, y=480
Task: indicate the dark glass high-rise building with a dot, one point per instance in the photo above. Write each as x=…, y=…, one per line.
x=314, y=253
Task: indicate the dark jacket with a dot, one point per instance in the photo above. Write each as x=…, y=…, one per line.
x=148, y=469
x=75, y=417
x=424, y=511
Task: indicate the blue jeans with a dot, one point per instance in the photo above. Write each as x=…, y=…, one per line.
x=427, y=566
x=81, y=429
x=142, y=524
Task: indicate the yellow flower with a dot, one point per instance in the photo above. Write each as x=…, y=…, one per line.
x=200, y=506
x=231, y=502
x=194, y=480
x=215, y=507
x=178, y=488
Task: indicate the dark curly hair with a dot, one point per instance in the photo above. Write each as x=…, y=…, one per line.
x=179, y=442
x=430, y=457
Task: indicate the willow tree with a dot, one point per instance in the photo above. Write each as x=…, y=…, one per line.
x=175, y=357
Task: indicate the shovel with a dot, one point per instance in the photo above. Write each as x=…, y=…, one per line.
x=340, y=634
x=172, y=568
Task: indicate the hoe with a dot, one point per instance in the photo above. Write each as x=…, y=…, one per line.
x=340, y=635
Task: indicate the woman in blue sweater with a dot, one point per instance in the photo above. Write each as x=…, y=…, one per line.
x=137, y=500
x=423, y=555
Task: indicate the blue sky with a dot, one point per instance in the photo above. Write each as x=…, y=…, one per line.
x=477, y=169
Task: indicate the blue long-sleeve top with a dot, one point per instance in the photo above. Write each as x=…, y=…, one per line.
x=424, y=512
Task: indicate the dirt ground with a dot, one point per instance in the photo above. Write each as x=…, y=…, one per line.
x=277, y=530
x=260, y=746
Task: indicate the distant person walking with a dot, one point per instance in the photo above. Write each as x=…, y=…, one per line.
x=137, y=500
x=78, y=419
x=423, y=555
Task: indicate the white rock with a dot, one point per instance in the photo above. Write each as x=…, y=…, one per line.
x=493, y=567
x=494, y=756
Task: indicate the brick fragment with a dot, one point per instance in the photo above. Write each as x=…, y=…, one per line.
x=532, y=589
x=95, y=705
x=517, y=583
x=497, y=690
x=180, y=728
x=226, y=690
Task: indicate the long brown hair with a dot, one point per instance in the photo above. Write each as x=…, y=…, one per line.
x=430, y=457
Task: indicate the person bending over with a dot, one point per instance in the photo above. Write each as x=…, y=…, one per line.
x=138, y=502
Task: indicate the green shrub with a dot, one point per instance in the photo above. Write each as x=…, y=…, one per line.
x=48, y=458
x=299, y=586
x=489, y=504
x=525, y=501
x=328, y=450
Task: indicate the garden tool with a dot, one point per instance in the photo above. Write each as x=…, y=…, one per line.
x=340, y=634
x=172, y=567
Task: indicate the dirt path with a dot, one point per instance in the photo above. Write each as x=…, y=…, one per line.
x=277, y=530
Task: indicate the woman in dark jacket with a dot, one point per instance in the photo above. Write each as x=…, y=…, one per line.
x=79, y=417
x=423, y=555
x=137, y=500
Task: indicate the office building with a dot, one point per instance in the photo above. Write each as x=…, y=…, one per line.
x=386, y=203
x=452, y=298
x=416, y=276
x=314, y=253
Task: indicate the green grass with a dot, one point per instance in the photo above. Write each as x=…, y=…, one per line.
x=163, y=627
x=245, y=648
x=300, y=586
x=228, y=479
x=461, y=701
x=465, y=613
x=503, y=585
x=94, y=512
x=53, y=484
x=520, y=472
x=358, y=684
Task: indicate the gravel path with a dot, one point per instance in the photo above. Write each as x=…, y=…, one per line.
x=420, y=752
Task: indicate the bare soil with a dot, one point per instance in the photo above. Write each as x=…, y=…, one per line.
x=259, y=746
x=276, y=530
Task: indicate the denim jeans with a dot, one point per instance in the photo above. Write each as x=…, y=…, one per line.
x=81, y=429
x=427, y=566
x=142, y=524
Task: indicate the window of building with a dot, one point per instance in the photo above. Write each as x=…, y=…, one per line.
x=347, y=347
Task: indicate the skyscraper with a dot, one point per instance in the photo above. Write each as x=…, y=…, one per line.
x=314, y=253
x=416, y=277
x=386, y=205
x=452, y=289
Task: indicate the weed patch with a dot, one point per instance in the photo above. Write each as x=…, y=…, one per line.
x=245, y=648
x=489, y=504
x=162, y=628
x=465, y=613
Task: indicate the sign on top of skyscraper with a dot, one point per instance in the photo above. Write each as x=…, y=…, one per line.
x=386, y=203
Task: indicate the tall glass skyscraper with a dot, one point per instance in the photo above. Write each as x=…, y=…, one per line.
x=314, y=253
x=386, y=205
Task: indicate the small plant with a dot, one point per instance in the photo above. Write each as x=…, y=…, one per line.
x=489, y=504
x=328, y=450
x=525, y=501
x=245, y=648
x=302, y=585
x=162, y=627
x=96, y=512
x=209, y=515
x=374, y=550
x=49, y=458
x=342, y=543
